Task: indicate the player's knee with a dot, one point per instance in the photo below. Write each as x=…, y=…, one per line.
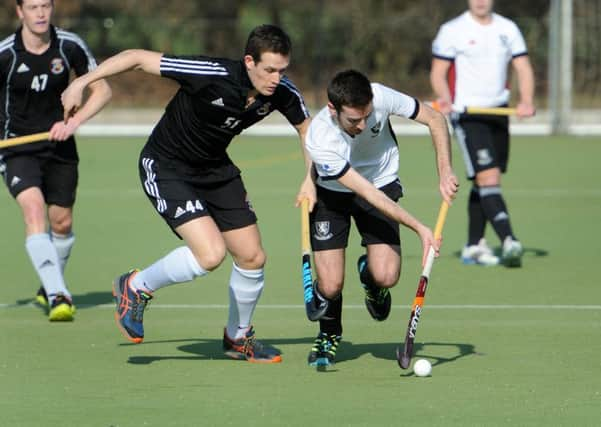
x=253, y=260
x=61, y=225
x=386, y=278
x=211, y=259
x=329, y=288
x=488, y=177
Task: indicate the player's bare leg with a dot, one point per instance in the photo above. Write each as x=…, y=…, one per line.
x=379, y=270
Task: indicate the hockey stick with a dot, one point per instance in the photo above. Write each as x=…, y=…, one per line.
x=314, y=309
x=492, y=111
x=26, y=139
x=403, y=355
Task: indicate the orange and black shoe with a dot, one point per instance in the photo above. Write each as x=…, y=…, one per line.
x=248, y=348
x=130, y=307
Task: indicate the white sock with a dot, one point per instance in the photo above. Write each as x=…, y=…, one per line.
x=63, y=244
x=245, y=289
x=178, y=266
x=46, y=263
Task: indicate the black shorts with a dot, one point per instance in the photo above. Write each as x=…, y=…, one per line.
x=181, y=197
x=331, y=219
x=484, y=142
x=54, y=175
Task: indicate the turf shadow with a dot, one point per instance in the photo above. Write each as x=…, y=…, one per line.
x=349, y=351
x=81, y=301
x=202, y=349
x=528, y=252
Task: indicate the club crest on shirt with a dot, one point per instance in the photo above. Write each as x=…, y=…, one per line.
x=375, y=129
x=504, y=40
x=484, y=157
x=324, y=167
x=57, y=66
x=322, y=230
x=264, y=109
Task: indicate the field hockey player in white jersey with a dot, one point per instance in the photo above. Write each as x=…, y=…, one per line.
x=356, y=158
x=470, y=61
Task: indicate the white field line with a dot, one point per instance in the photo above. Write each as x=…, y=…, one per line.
x=284, y=129
x=541, y=193
x=351, y=307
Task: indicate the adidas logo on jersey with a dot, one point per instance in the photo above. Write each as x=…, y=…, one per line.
x=179, y=212
x=23, y=68
x=15, y=181
x=219, y=102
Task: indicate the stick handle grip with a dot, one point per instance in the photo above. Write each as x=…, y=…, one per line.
x=26, y=139
x=442, y=216
x=305, y=242
x=494, y=111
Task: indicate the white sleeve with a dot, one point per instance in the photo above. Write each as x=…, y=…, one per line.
x=394, y=102
x=327, y=152
x=517, y=43
x=443, y=46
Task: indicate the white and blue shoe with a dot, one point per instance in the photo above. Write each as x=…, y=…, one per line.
x=512, y=252
x=480, y=254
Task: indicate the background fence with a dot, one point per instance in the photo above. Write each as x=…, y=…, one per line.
x=389, y=40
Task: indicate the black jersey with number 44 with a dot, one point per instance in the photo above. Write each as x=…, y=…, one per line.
x=31, y=85
x=210, y=109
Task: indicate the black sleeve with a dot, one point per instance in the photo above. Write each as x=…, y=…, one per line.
x=193, y=73
x=4, y=62
x=290, y=102
x=79, y=55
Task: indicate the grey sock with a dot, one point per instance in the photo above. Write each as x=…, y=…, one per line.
x=63, y=244
x=46, y=263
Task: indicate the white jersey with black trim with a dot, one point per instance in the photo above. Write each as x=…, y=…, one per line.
x=481, y=54
x=373, y=153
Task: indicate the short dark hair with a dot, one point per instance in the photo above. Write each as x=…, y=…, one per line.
x=350, y=88
x=20, y=2
x=267, y=38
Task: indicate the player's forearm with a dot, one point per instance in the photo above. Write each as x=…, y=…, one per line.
x=302, y=133
x=377, y=198
x=439, y=131
x=442, y=145
x=100, y=96
x=526, y=85
x=438, y=81
x=132, y=59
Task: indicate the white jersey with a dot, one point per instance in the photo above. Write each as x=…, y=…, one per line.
x=481, y=54
x=373, y=153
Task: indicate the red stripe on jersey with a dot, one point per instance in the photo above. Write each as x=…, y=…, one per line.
x=451, y=78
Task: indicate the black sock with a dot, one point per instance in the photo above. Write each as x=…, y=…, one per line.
x=494, y=207
x=331, y=324
x=476, y=217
